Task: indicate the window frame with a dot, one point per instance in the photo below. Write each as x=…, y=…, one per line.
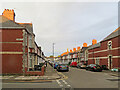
x=109, y=47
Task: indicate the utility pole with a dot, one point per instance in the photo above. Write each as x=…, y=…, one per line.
x=53, y=51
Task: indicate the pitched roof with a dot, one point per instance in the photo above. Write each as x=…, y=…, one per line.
x=94, y=46
x=7, y=23
x=83, y=49
x=29, y=26
x=113, y=34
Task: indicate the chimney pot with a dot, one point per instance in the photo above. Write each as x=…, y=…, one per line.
x=9, y=14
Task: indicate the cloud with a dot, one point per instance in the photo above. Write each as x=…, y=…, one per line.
x=67, y=24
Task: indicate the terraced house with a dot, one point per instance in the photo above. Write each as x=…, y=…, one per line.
x=107, y=51
x=19, y=50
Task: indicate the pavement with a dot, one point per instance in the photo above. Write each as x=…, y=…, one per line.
x=50, y=74
x=117, y=74
x=112, y=73
x=75, y=78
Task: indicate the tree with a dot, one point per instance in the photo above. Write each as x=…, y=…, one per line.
x=51, y=56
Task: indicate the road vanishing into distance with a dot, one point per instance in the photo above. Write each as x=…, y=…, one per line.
x=74, y=78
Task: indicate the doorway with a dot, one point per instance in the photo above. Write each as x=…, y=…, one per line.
x=110, y=62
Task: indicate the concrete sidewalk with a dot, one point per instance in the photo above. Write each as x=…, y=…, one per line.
x=50, y=74
x=117, y=74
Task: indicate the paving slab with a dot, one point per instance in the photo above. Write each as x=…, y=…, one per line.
x=50, y=74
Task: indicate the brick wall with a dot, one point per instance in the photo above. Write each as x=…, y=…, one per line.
x=12, y=51
x=105, y=53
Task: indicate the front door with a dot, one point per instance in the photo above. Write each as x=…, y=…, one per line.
x=110, y=62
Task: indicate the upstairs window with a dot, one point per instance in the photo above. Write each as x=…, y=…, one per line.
x=30, y=41
x=109, y=45
x=25, y=38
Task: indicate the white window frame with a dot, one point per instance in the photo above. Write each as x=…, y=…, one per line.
x=30, y=60
x=109, y=48
x=97, y=61
x=25, y=38
x=30, y=40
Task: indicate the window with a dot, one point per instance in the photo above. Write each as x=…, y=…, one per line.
x=26, y=38
x=30, y=60
x=97, y=60
x=30, y=41
x=109, y=45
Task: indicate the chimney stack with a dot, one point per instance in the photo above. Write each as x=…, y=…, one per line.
x=74, y=49
x=70, y=51
x=9, y=14
x=94, y=41
x=78, y=48
x=84, y=44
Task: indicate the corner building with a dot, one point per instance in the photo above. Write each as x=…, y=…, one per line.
x=17, y=45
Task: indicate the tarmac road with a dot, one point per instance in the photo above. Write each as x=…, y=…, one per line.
x=75, y=78
x=80, y=78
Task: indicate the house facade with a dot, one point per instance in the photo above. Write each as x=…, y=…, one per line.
x=77, y=55
x=18, y=47
x=106, y=52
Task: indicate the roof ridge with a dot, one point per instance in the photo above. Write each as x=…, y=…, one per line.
x=116, y=29
x=25, y=23
x=16, y=22
x=11, y=20
x=111, y=34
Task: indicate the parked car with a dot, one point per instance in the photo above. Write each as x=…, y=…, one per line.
x=115, y=69
x=62, y=67
x=52, y=63
x=94, y=67
x=104, y=67
x=73, y=64
x=81, y=65
x=55, y=65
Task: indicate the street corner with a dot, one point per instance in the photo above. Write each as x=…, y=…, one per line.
x=7, y=79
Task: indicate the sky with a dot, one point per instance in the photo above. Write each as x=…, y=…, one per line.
x=67, y=24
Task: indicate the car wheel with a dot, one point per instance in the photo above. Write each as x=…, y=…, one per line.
x=67, y=70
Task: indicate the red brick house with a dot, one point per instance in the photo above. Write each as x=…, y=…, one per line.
x=106, y=52
x=17, y=45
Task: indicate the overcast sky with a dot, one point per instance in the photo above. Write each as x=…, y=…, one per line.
x=67, y=24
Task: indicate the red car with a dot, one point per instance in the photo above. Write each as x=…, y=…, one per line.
x=73, y=64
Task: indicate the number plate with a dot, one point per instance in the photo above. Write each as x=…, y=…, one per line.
x=98, y=67
x=64, y=67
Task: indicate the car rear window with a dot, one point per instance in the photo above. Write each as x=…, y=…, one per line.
x=92, y=65
x=63, y=65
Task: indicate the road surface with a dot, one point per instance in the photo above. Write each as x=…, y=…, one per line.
x=75, y=78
